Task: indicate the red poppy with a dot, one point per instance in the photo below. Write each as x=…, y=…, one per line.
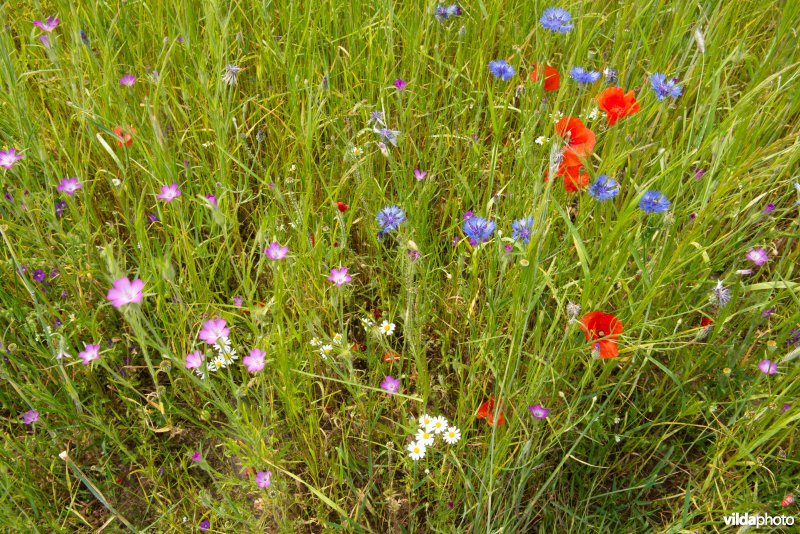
x=358, y=347
x=602, y=329
x=616, y=104
x=580, y=140
x=390, y=357
x=706, y=322
x=486, y=411
x=342, y=207
x=573, y=178
x=124, y=138
x=551, y=77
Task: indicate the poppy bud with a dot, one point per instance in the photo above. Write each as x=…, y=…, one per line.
x=342, y=207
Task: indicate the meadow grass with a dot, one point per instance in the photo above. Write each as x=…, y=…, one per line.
x=677, y=431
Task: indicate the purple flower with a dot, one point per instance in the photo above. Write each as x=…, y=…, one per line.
x=125, y=292
x=698, y=173
x=390, y=218
x=39, y=275
x=275, y=251
x=48, y=25
x=91, y=353
x=556, y=20
x=400, y=84
x=127, y=80
x=339, y=276
x=444, y=13
x=794, y=337
x=205, y=524
x=390, y=385
x=664, y=88
x=255, y=360
x=45, y=40
x=238, y=301
x=194, y=360
x=197, y=457
x=786, y=407
x=522, y=230
x=768, y=367
x=508, y=248
x=212, y=200
x=169, y=193
x=388, y=135
x=501, y=69
x=769, y=208
x=9, y=158
x=263, y=479
x=478, y=229
x=152, y=217
x=757, y=255
x=213, y=329
x=69, y=186
x=30, y=417
x=767, y=312
x=413, y=255
x=420, y=175
x=539, y=411
x=468, y=215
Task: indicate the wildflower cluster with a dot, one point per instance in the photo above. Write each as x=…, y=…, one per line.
x=429, y=428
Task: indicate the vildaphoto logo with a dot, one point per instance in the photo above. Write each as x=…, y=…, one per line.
x=742, y=520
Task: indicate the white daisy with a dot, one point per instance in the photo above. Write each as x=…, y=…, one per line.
x=416, y=451
x=426, y=422
x=367, y=323
x=387, y=328
x=315, y=342
x=541, y=140
x=439, y=425
x=425, y=437
x=357, y=151
x=325, y=350
x=452, y=435
x=337, y=338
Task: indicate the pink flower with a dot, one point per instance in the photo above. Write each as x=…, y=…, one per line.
x=169, y=193
x=254, y=361
x=390, y=385
x=48, y=25
x=69, y=186
x=127, y=80
x=420, y=175
x=212, y=200
x=197, y=457
x=768, y=367
x=125, y=292
x=400, y=84
x=30, y=417
x=539, y=411
x=45, y=40
x=194, y=359
x=213, y=329
x=9, y=158
x=238, y=301
x=758, y=256
x=275, y=251
x=91, y=353
x=339, y=276
x=263, y=479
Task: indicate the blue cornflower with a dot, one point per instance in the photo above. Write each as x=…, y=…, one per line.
x=444, y=13
x=478, y=229
x=581, y=75
x=654, y=202
x=388, y=135
x=604, y=188
x=376, y=117
x=610, y=74
x=522, y=229
x=556, y=20
x=390, y=218
x=501, y=69
x=59, y=207
x=664, y=87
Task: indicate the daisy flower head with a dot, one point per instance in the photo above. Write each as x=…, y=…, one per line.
x=654, y=202
x=425, y=437
x=226, y=354
x=390, y=218
x=169, y=192
x=339, y=276
x=500, y=68
x=69, y=186
x=556, y=20
x=426, y=422
x=91, y=353
x=315, y=342
x=439, y=424
x=337, y=338
x=325, y=351
x=214, y=329
x=125, y=292
x=416, y=450
x=387, y=328
x=9, y=157
x=452, y=435
x=275, y=251
x=604, y=188
x=367, y=323
x=194, y=360
x=255, y=360
x=390, y=385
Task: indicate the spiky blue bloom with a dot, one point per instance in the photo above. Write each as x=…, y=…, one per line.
x=664, y=88
x=444, y=13
x=501, y=69
x=654, y=202
x=388, y=135
x=390, y=218
x=610, y=74
x=556, y=20
x=522, y=229
x=604, y=188
x=581, y=75
x=478, y=229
